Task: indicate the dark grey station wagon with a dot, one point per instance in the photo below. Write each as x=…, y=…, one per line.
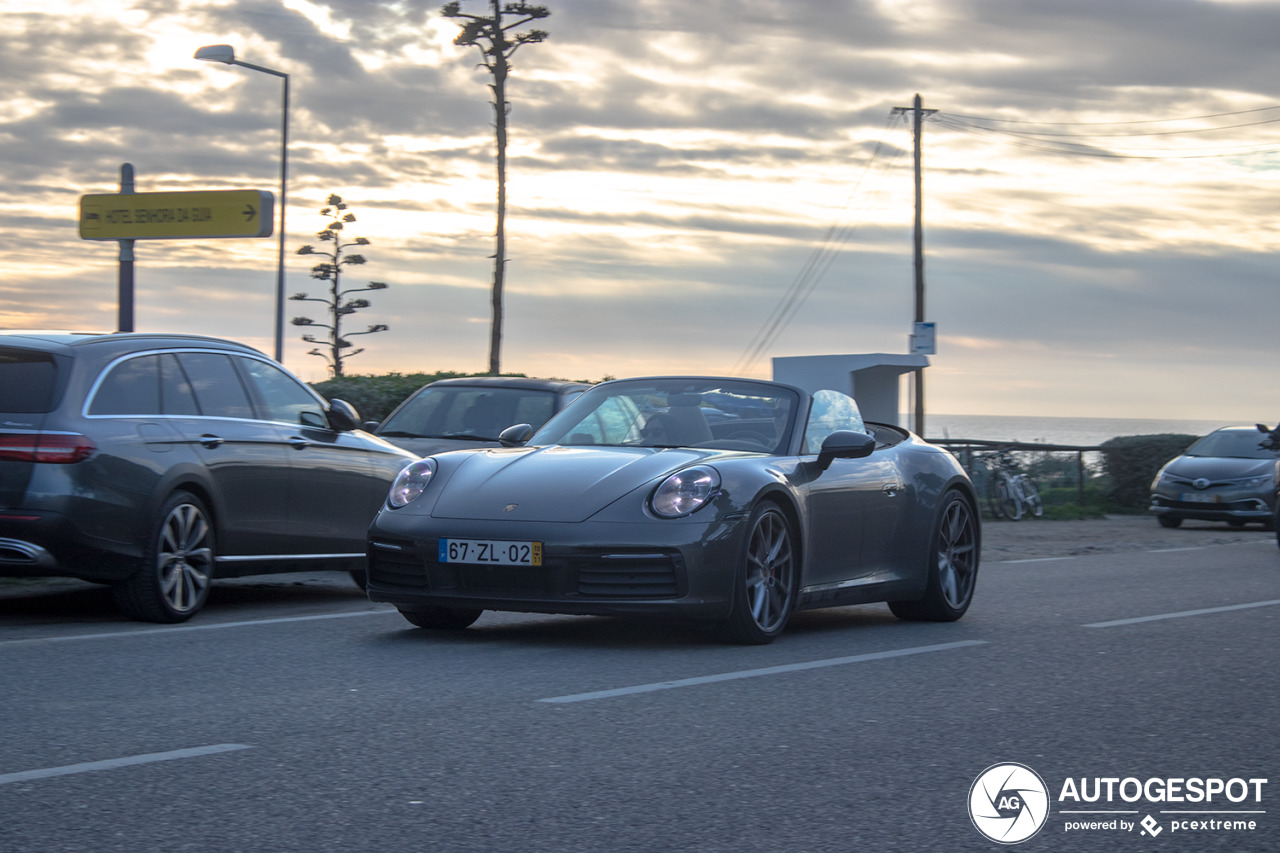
x=155, y=463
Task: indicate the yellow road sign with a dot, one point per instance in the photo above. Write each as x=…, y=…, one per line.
x=170, y=216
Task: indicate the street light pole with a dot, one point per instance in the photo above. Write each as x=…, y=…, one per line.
x=226, y=54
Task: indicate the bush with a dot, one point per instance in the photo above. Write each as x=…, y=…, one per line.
x=1131, y=463
x=1062, y=504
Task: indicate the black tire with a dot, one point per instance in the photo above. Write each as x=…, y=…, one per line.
x=766, y=580
x=1167, y=521
x=176, y=570
x=953, y=566
x=442, y=618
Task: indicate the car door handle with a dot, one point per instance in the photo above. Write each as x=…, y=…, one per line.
x=299, y=443
x=210, y=441
x=890, y=489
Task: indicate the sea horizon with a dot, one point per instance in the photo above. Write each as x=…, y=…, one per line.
x=1031, y=429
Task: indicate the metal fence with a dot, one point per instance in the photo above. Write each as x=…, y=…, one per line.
x=1032, y=457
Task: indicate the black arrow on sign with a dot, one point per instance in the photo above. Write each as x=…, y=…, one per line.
x=249, y=212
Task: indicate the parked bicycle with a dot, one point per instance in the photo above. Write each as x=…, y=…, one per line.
x=1011, y=493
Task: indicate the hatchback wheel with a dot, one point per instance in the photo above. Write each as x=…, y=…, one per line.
x=173, y=577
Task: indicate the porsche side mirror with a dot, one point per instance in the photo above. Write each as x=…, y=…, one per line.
x=515, y=436
x=343, y=416
x=845, y=444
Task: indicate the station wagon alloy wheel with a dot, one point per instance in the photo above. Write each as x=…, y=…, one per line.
x=172, y=581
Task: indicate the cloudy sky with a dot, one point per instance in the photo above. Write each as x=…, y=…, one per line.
x=695, y=187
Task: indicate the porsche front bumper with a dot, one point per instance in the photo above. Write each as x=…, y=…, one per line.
x=599, y=568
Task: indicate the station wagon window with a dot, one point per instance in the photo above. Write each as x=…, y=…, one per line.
x=176, y=394
x=217, y=386
x=131, y=388
x=280, y=397
x=27, y=381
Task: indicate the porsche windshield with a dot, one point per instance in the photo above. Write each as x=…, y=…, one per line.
x=677, y=413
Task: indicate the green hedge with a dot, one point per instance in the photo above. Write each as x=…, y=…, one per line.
x=1131, y=461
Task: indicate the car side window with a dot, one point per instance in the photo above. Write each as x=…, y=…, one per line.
x=176, y=394
x=217, y=386
x=830, y=412
x=280, y=397
x=132, y=387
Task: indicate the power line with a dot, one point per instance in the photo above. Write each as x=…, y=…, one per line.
x=1085, y=148
x=1112, y=123
x=816, y=264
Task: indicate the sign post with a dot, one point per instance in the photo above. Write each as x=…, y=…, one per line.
x=128, y=216
x=124, y=310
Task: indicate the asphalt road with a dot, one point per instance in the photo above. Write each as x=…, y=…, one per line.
x=296, y=716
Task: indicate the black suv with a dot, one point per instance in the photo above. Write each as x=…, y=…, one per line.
x=155, y=463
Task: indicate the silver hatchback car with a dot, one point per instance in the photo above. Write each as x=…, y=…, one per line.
x=1228, y=475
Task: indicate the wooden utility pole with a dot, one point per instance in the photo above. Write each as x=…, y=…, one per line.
x=918, y=113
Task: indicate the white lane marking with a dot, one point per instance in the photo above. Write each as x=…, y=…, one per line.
x=1183, y=613
x=1105, y=553
x=756, y=673
x=183, y=628
x=113, y=763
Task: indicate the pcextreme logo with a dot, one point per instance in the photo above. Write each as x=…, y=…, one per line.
x=1008, y=803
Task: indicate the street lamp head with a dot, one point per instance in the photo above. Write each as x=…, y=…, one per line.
x=217, y=53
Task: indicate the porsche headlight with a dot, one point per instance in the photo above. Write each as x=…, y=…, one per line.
x=685, y=491
x=411, y=482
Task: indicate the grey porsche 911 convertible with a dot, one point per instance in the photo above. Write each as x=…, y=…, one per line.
x=730, y=501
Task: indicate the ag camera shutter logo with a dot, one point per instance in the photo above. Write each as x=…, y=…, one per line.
x=1008, y=803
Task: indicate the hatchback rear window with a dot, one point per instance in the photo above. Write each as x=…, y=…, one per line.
x=28, y=381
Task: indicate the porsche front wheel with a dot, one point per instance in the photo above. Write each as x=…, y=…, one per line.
x=446, y=618
x=953, y=566
x=764, y=590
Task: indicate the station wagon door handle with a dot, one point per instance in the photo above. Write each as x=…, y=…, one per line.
x=210, y=441
x=299, y=443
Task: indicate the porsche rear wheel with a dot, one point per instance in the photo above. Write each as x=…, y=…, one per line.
x=953, y=566
x=765, y=585
x=445, y=618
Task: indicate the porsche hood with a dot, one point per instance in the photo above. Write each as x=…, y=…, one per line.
x=552, y=484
